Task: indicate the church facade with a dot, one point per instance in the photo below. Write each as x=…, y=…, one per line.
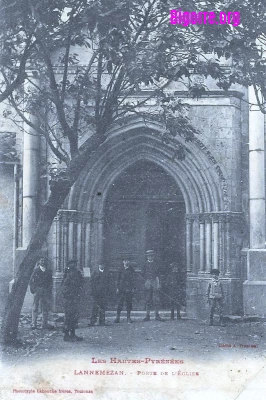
x=206, y=211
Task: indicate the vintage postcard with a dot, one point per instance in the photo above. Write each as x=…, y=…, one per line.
x=132, y=200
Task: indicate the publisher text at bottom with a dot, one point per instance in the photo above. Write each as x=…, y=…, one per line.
x=53, y=391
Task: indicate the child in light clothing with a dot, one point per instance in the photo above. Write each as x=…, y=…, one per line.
x=215, y=295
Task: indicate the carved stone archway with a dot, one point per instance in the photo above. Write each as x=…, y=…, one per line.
x=209, y=223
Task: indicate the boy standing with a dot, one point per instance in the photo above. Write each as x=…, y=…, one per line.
x=215, y=295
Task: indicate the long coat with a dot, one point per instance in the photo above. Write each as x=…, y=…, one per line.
x=175, y=285
x=41, y=280
x=71, y=291
x=72, y=286
x=100, y=285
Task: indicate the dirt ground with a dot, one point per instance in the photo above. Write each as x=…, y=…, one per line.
x=189, y=338
x=171, y=360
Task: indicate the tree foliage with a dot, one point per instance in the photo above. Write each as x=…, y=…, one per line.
x=87, y=65
x=243, y=45
x=93, y=58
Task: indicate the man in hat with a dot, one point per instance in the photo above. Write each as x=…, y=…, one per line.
x=125, y=289
x=41, y=287
x=152, y=285
x=99, y=290
x=71, y=290
x=215, y=295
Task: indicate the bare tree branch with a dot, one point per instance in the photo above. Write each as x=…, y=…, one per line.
x=21, y=74
x=73, y=139
x=66, y=58
x=77, y=108
x=98, y=85
x=38, y=129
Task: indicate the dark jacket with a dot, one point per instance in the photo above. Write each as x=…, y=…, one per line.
x=151, y=270
x=40, y=279
x=175, y=285
x=72, y=286
x=100, y=284
x=126, y=280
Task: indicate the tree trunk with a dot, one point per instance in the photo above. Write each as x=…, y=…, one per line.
x=59, y=191
x=16, y=297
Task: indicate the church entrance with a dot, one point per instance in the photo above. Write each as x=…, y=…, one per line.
x=144, y=210
x=134, y=196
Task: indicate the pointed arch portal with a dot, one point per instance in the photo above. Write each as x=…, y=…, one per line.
x=135, y=194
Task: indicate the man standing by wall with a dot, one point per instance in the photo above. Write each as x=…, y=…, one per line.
x=152, y=286
x=41, y=288
x=125, y=289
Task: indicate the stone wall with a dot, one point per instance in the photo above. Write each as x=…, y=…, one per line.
x=6, y=229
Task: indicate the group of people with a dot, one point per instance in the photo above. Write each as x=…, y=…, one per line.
x=72, y=284
x=41, y=288
x=126, y=287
